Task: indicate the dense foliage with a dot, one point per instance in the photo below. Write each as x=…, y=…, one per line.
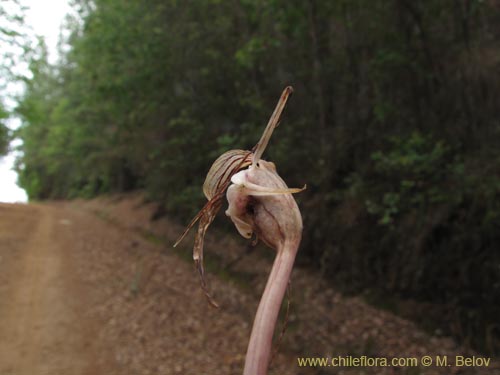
x=11, y=43
x=394, y=126
x=4, y=132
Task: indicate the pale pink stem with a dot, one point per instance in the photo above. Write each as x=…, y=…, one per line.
x=259, y=347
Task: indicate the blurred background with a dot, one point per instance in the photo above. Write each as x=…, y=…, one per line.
x=394, y=126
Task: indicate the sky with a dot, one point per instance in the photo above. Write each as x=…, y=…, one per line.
x=44, y=20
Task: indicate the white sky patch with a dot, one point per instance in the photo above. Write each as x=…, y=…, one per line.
x=9, y=191
x=45, y=19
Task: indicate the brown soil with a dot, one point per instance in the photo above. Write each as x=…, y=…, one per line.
x=96, y=288
x=43, y=328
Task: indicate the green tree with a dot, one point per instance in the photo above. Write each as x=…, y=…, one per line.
x=12, y=45
x=4, y=131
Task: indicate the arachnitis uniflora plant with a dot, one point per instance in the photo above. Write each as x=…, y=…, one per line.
x=260, y=204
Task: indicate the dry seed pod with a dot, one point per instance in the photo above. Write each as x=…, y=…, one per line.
x=260, y=203
x=217, y=182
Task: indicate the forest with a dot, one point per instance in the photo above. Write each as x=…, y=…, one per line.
x=394, y=125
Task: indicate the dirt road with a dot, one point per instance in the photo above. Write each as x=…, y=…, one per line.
x=95, y=288
x=42, y=328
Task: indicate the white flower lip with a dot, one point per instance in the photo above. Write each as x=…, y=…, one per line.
x=239, y=178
